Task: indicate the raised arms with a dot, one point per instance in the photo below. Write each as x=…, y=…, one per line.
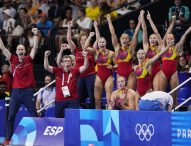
x=169, y=30
x=46, y=62
x=63, y=47
x=5, y=51
x=114, y=39
x=35, y=46
x=180, y=44
x=97, y=35
x=86, y=62
x=134, y=41
x=145, y=36
x=159, y=39
x=69, y=36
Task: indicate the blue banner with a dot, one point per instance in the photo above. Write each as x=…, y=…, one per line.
x=181, y=128
x=145, y=128
x=39, y=132
x=106, y=128
x=117, y=128
x=21, y=113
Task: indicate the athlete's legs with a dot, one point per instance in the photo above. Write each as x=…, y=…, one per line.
x=162, y=81
x=131, y=83
x=156, y=82
x=109, y=88
x=174, y=84
x=98, y=88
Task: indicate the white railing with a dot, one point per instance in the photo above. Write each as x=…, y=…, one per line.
x=183, y=83
x=44, y=87
x=41, y=91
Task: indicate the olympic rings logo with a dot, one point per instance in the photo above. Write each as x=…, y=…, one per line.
x=145, y=132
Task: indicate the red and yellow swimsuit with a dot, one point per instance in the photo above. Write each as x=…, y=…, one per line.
x=153, y=50
x=169, y=63
x=124, y=58
x=143, y=79
x=120, y=100
x=103, y=60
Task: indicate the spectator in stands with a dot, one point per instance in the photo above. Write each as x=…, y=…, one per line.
x=122, y=98
x=46, y=96
x=182, y=14
x=23, y=83
x=93, y=11
x=30, y=38
x=131, y=31
x=64, y=24
x=183, y=64
x=9, y=22
x=156, y=101
x=3, y=93
x=45, y=25
x=105, y=8
x=8, y=25
x=7, y=5
x=23, y=20
x=32, y=8
x=6, y=76
x=44, y=6
x=86, y=80
x=76, y=5
x=84, y=23
x=66, y=83
x=67, y=18
x=125, y=50
x=55, y=11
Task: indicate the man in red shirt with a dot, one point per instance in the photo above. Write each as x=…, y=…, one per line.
x=66, y=82
x=22, y=84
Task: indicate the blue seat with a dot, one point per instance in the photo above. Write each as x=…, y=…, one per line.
x=50, y=112
x=182, y=76
x=184, y=92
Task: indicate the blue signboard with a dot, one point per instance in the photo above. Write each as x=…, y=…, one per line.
x=181, y=128
x=106, y=128
x=21, y=113
x=117, y=128
x=39, y=132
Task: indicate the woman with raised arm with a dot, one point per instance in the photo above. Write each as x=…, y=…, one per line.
x=169, y=60
x=152, y=47
x=124, y=51
x=105, y=60
x=143, y=71
x=86, y=80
